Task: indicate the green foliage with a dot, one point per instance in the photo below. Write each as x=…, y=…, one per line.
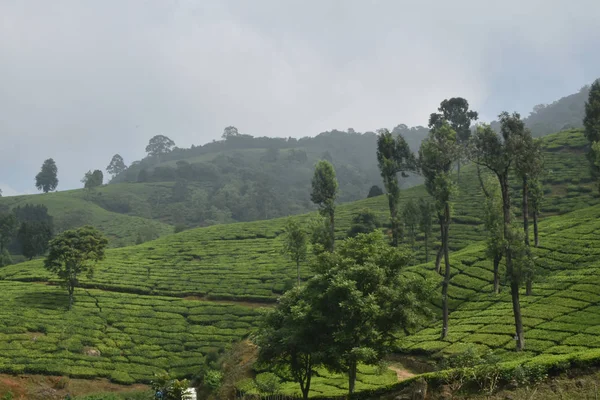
x=212, y=379
x=72, y=253
x=294, y=243
x=324, y=193
x=116, y=165
x=365, y=221
x=456, y=113
x=393, y=156
x=411, y=218
x=34, y=238
x=374, y=191
x=8, y=228
x=46, y=180
x=170, y=389
x=93, y=179
x=159, y=145
x=591, y=122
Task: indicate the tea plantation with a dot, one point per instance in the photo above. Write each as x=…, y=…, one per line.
x=164, y=304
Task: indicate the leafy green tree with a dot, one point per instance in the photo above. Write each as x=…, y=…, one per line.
x=426, y=213
x=324, y=192
x=393, y=157
x=116, y=165
x=374, y=191
x=363, y=300
x=34, y=237
x=493, y=222
x=169, y=389
x=74, y=252
x=93, y=179
x=229, y=132
x=536, y=193
x=456, y=112
x=159, y=145
x=498, y=153
x=294, y=243
x=529, y=164
x=46, y=180
x=8, y=228
x=365, y=221
x=437, y=154
x=320, y=235
x=591, y=122
x=410, y=216
x=289, y=338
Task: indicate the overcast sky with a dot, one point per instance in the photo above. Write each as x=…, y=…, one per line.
x=82, y=80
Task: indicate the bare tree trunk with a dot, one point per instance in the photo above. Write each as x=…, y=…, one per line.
x=535, y=229
x=446, y=282
x=352, y=377
x=497, y=259
x=514, y=282
x=529, y=287
x=440, y=253
x=525, y=211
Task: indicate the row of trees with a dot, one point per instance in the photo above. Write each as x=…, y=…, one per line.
x=25, y=230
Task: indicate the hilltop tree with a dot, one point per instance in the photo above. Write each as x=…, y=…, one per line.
x=591, y=122
x=159, y=145
x=74, y=252
x=426, y=212
x=456, y=112
x=437, y=154
x=528, y=166
x=288, y=338
x=363, y=300
x=493, y=222
x=365, y=221
x=324, y=192
x=374, y=191
x=46, y=180
x=93, y=179
x=116, y=165
x=294, y=243
x=230, y=131
x=410, y=216
x=498, y=153
x=393, y=157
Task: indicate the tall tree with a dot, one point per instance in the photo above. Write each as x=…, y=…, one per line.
x=498, y=153
x=289, y=338
x=426, y=212
x=410, y=216
x=324, y=192
x=374, y=191
x=294, y=243
x=116, y=165
x=363, y=300
x=493, y=223
x=591, y=122
x=74, y=252
x=529, y=164
x=393, y=157
x=436, y=156
x=456, y=112
x=159, y=145
x=46, y=180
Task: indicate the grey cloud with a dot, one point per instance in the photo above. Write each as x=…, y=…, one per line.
x=84, y=80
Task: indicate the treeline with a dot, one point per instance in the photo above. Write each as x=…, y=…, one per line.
x=25, y=230
x=357, y=299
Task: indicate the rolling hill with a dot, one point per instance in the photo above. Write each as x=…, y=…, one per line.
x=167, y=303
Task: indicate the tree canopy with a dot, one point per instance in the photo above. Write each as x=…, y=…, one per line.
x=46, y=180
x=93, y=179
x=116, y=165
x=324, y=192
x=73, y=253
x=159, y=145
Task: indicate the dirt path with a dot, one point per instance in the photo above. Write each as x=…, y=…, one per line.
x=401, y=373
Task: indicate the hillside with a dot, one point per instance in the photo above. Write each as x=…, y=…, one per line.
x=167, y=303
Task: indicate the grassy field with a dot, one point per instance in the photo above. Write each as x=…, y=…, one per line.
x=164, y=304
